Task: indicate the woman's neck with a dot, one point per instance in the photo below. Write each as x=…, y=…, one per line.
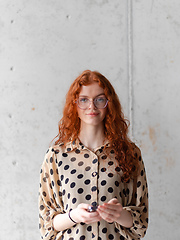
x=92, y=136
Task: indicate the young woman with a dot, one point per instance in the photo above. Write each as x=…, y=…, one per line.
x=93, y=182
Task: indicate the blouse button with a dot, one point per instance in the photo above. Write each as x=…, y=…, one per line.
x=94, y=174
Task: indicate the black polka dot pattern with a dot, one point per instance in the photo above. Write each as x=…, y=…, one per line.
x=72, y=174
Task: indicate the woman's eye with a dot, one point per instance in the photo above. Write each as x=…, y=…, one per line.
x=83, y=100
x=100, y=99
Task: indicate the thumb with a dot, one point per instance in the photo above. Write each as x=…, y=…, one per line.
x=113, y=201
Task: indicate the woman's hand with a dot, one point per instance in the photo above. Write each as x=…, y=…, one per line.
x=110, y=211
x=113, y=211
x=80, y=214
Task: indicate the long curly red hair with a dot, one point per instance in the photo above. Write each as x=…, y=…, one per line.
x=115, y=124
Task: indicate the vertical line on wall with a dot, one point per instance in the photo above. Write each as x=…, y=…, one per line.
x=130, y=67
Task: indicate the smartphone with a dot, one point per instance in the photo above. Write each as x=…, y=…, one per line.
x=92, y=208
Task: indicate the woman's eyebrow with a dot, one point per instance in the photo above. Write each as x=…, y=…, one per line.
x=95, y=96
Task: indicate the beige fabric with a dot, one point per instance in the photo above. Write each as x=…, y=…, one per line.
x=73, y=174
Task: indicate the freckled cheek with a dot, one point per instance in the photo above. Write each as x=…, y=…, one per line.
x=103, y=113
x=81, y=113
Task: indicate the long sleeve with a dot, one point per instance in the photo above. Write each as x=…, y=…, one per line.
x=71, y=174
x=50, y=202
x=137, y=203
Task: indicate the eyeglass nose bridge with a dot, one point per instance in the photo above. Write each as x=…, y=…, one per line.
x=90, y=102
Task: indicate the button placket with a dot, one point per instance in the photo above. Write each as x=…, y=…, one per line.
x=94, y=185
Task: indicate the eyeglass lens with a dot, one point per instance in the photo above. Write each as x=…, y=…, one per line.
x=99, y=102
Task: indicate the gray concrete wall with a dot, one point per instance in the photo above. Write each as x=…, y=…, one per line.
x=44, y=45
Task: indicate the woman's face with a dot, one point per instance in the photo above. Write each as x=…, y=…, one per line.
x=92, y=115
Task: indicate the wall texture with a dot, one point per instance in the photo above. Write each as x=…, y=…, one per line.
x=156, y=115
x=44, y=45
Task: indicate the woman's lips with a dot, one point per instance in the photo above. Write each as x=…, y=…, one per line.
x=93, y=114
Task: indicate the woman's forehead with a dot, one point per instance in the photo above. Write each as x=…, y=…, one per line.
x=91, y=90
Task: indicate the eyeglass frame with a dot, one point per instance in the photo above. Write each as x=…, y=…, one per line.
x=90, y=101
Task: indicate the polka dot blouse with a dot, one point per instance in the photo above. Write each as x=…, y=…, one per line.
x=73, y=174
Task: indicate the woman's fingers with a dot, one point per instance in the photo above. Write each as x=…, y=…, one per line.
x=88, y=217
x=80, y=214
x=110, y=211
x=108, y=217
x=111, y=208
x=113, y=200
x=83, y=206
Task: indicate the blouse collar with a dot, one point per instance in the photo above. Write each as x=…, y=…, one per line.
x=78, y=146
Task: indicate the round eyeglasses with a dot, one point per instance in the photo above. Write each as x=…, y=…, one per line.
x=99, y=102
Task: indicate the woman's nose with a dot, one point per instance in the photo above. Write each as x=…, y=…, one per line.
x=91, y=105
